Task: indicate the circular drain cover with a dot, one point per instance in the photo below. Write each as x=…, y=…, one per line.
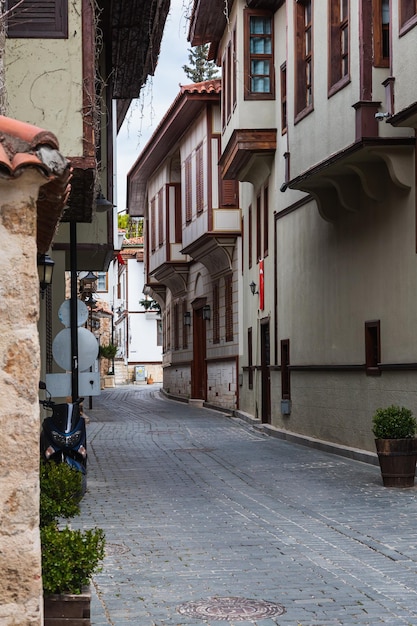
x=115, y=548
x=236, y=609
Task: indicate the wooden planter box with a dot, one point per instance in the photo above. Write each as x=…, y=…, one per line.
x=397, y=460
x=68, y=609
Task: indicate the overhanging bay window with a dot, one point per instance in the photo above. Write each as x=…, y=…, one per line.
x=259, y=56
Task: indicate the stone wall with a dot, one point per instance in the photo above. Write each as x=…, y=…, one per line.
x=20, y=560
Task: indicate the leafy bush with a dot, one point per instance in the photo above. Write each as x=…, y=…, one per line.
x=69, y=558
x=108, y=351
x=60, y=492
x=394, y=422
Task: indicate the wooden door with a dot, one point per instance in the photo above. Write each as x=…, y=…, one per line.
x=199, y=366
x=265, y=373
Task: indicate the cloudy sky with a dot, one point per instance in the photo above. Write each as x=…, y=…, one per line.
x=156, y=96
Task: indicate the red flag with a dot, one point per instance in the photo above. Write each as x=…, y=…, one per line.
x=120, y=259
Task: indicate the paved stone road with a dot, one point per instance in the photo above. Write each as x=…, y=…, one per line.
x=197, y=505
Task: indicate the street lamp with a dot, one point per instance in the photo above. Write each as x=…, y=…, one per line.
x=87, y=282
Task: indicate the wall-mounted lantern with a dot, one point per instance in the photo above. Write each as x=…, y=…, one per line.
x=206, y=312
x=253, y=288
x=187, y=318
x=45, y=271
x=102, y=204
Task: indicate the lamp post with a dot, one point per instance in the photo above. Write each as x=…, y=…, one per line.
x=91, y=304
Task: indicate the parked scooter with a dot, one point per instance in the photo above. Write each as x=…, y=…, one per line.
x=63, y=435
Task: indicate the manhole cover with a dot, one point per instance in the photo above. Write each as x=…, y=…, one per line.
x=236, y=609
x=116, y=548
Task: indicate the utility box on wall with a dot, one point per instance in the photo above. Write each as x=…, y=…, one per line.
x=140, y=373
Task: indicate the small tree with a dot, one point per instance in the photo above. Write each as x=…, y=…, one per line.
x=200, y=68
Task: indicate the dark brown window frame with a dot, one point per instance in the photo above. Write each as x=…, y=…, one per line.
x=283, y=84
x=407, y=16
x=381, y=34
x=304, y=103
x=373, y=347
x=250, y=56
x=24, y=24
x=339, y=26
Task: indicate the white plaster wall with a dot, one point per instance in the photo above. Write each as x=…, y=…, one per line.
x=44, y=83
x=142, y=339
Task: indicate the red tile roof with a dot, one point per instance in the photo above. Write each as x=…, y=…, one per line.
x=26, y=146
x=208, y=86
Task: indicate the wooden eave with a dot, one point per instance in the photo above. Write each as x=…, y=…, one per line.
x=407, y=117
x=348, y=180
x=214, y=251
x=243, y=145
x=187, y=106
x=208, y=20
x=134, y=30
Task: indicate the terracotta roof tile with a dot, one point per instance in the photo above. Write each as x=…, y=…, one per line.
x=24, y=145
x=207, y=86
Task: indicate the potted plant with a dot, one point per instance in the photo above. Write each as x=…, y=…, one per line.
x=69, y=557
x=108, y=351
x=394, y=428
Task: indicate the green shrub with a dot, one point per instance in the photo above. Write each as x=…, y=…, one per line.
x=394, y=422
x=69, y=558
x=60, y=492
x=108, y=351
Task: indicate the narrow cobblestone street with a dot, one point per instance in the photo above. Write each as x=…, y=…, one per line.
x=200, y=508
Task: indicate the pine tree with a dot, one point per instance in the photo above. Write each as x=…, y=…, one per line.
x=200, y=68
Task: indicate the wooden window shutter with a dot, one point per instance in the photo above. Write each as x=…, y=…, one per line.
x=38, y=19
x=228, y=294
x=188, y=191
x=160, y=217
x=199, y=179
x=229, y=193
x=184, y=327
x=176, y=328
x=153, y=232
x=216, y=313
